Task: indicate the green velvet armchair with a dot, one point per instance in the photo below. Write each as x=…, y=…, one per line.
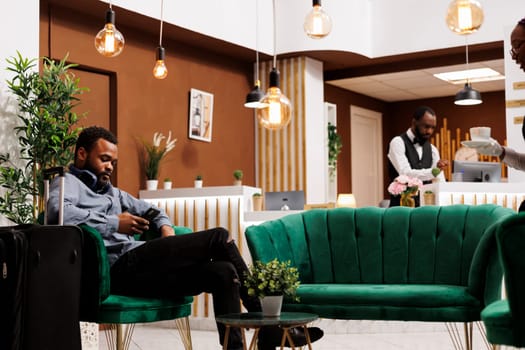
x=100, y=306
x=505, y=319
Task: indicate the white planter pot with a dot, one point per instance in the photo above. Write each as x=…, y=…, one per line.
x=271, y=305
x=167, y=185
x=237, y=182
x=151, y=185
x=198, y=183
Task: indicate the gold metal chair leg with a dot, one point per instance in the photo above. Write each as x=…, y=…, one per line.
x=455, y=335
x=183, y=326
x=118, y=336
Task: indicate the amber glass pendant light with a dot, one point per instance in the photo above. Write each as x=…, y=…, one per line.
x=109, y=42
x=160, y=71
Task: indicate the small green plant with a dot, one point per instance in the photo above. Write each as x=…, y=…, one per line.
x=256, y=194
x=167, y=179
x=272, y=278
x=155, y=152
x=198, y=177
x=436, y=171
x=334, y=148
x=237, y=174
x=429, y=192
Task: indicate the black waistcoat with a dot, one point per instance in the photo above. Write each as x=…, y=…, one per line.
x=415, y=163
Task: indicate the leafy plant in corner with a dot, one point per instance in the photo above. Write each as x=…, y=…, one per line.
x=237, y=174
x=334, y=148
x=45, y=132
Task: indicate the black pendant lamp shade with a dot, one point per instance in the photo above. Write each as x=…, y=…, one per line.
x=254, y=96
x=468, y=96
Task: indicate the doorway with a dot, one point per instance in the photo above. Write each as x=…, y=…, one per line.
x=367, y=156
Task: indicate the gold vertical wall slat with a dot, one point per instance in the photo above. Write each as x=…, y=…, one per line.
x=217, y=213
x=176, y=213
x=239, y=227
x=206, y=215
x=230, y=215
x=195, y=217
x=186, y=218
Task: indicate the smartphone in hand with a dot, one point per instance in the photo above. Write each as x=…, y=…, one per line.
x=151, y=214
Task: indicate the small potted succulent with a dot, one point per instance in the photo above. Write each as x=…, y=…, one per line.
x=237, y=175
x=167, y=183
x=198, y=181
x=257, y=199
x=271, y=281
x=429, y=197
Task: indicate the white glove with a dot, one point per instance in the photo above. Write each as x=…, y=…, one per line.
x=491, y=148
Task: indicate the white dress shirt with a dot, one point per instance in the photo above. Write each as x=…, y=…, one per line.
x=397, y=156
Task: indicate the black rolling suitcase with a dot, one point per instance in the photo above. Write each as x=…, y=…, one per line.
x=48, y=284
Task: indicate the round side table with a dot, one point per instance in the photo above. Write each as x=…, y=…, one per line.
x=256, y=320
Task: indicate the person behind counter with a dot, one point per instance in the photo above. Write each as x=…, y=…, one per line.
x=412, y=154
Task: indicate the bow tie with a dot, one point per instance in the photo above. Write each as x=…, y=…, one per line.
x=420, y=141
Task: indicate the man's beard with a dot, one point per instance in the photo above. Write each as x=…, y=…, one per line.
x=420, y=138
x=103, y=177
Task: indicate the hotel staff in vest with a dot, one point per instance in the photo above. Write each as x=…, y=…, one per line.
x=411, y=153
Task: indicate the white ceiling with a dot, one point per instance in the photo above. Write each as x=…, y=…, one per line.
x=418, y=84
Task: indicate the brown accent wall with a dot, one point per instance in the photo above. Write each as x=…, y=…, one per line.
x=397, y=118
x=145, y=105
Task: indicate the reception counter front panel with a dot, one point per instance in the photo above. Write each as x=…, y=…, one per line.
x=508, y=195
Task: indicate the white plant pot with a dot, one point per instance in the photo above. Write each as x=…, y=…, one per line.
x=271, y=305
x=167, y=185
x=151, y=185
x=198, y=183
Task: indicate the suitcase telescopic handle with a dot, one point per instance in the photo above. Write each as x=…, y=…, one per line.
x=48, y=174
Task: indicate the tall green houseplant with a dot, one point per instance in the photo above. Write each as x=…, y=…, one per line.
x=45, y=131
x=334, y=148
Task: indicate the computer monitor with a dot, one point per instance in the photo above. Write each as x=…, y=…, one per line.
x=478, y=171
x=275, y=200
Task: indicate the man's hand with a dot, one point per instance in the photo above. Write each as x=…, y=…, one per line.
x=491, y=148
x=131, y=224
x=166, y=231
x=442, y=164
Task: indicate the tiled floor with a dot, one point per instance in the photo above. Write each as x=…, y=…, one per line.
x=348, y=335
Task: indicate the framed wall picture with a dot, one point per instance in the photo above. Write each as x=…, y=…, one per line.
x=201, y=115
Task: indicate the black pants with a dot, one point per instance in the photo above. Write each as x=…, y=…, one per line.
x=186, y=265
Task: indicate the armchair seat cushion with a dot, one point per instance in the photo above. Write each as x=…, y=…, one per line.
x=498, y=322
x=125, y=309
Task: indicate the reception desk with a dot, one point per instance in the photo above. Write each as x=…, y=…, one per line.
x=230, y=207
x=506, y=194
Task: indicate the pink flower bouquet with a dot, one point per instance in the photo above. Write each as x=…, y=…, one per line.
x=404, y=185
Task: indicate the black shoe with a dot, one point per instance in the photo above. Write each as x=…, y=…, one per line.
x=270, y=337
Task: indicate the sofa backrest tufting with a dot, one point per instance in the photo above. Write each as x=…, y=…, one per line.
x=398, y=245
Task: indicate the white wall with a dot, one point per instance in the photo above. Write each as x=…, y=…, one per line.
x=20, y=22
x=315, y=129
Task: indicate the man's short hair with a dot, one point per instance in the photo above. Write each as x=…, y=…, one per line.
x=421, y=110
x=522, y=21
x=90, y=135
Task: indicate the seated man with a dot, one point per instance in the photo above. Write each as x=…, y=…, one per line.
x=206, y=261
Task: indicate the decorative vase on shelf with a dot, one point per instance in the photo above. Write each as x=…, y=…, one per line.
x=167, y=185
x=257, y=203
x=407, y=200
x=237, y=182
x=429, y=198
x=271, y=305
x=151, y=185
x=198, y=183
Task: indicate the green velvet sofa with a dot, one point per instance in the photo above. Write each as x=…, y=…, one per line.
x=505, y=319
x=434, y=264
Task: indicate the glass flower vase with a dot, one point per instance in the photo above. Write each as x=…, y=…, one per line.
x=407, y=200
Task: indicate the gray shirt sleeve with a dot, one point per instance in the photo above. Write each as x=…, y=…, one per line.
x=514, y=159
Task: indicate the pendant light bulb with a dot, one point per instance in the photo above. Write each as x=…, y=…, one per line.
x=277, y=110
x=317, y=23
x=109, y=42
x=464, y=16
x=160, y=71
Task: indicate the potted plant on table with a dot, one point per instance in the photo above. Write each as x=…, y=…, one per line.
x=271, y=281
x=167, y=183
x=198, y=181
x=257, y=201
x=153, y=154
x=237, y=175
